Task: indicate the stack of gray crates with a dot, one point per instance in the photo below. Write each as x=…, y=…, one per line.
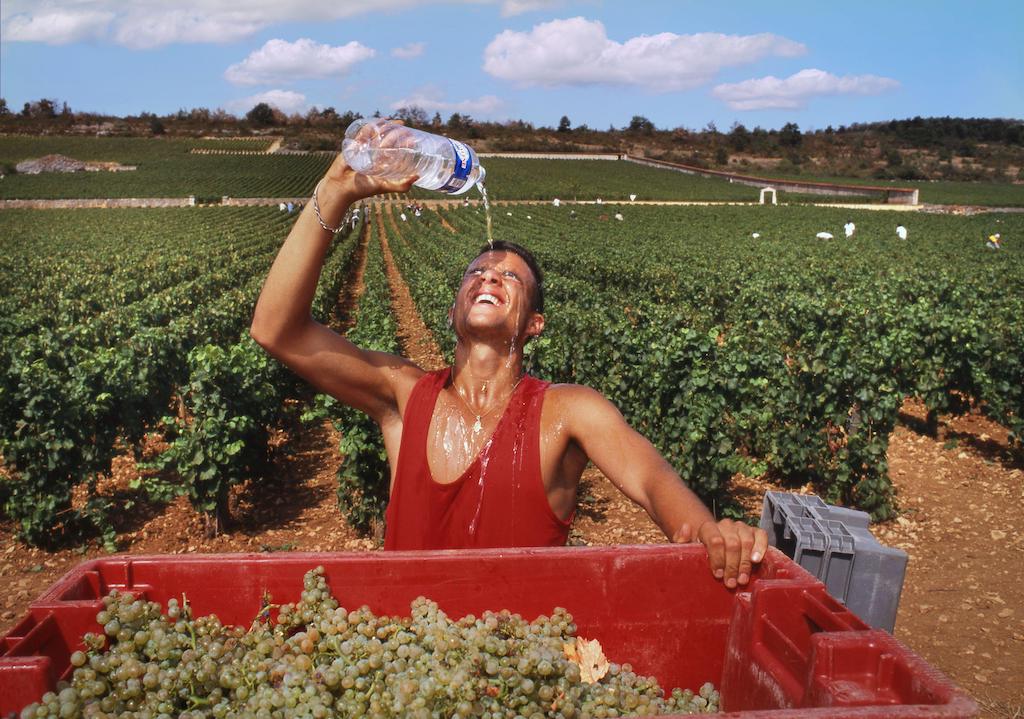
x=834, y=544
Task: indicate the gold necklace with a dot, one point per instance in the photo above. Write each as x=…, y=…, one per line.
x=478, y=424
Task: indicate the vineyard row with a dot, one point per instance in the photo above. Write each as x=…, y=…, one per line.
x=781, y=354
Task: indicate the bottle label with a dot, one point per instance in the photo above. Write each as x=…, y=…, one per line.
x=463, y=166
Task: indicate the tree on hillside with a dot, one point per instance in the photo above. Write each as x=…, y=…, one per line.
x=3, y=107
x=641, y=124
x=413, y=116
x=790, y=135
x=261, y=115
x=464, y=125
x=739, y=137
x=458, y=121
x=327, y=116
x=564, y=125
x=348, y=117
x=41, y=109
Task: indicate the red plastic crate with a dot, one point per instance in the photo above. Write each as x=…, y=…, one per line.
x=781, y=648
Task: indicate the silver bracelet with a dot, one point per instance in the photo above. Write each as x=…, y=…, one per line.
x=316, y=209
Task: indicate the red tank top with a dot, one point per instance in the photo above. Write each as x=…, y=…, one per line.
x=499, y=501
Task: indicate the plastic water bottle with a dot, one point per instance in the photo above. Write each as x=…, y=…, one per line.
x=392, y=151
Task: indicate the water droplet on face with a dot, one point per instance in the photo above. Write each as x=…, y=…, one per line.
x=515, y=338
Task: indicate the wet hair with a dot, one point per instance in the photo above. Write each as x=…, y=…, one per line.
x=528, y=258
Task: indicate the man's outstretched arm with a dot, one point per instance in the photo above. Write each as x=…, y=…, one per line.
x=282, y=323
x=633, y=465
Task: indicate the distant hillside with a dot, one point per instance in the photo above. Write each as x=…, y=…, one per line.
x=941, y=148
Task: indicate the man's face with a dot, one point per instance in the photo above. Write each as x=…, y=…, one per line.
x=496, y=295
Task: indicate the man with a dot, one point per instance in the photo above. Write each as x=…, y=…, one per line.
x=480, y=454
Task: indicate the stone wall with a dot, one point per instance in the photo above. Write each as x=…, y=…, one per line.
x=262, y=201
x=93, y=203
x=209, y=151
x=552, y=155
x=146, y=202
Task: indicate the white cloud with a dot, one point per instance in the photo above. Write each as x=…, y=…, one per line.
x=286, y=101
x=430, y=99
x=144, y=24
x=142, y=29
x=281, y=61
x=58, y=27
x=794, y=91
x=578, y=51
x=408, y=52
x=510, y=8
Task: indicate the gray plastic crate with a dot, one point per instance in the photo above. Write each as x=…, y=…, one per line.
x=835, y=545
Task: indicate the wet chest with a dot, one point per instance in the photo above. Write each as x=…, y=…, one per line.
x=458, y=439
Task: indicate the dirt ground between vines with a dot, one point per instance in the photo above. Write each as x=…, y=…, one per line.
x=961, y=499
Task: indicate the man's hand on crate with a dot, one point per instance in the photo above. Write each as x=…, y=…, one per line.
x=733, y=548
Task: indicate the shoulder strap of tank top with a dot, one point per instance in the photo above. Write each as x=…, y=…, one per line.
x=419, y=408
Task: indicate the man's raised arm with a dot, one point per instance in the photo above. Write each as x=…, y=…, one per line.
x=639, y=471
x=282, y=323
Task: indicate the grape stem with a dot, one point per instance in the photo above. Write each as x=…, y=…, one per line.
x=196, y=701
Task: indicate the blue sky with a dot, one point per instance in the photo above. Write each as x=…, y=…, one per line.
x=680, y=63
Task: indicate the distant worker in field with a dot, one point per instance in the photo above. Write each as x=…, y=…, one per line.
x=849, y=228
x=901, y=232
x=995, y=242
x=481, y=454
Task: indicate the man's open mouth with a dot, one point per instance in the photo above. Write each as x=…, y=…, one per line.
x=487, y=298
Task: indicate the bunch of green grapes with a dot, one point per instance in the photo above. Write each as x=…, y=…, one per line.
x=319, y=660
